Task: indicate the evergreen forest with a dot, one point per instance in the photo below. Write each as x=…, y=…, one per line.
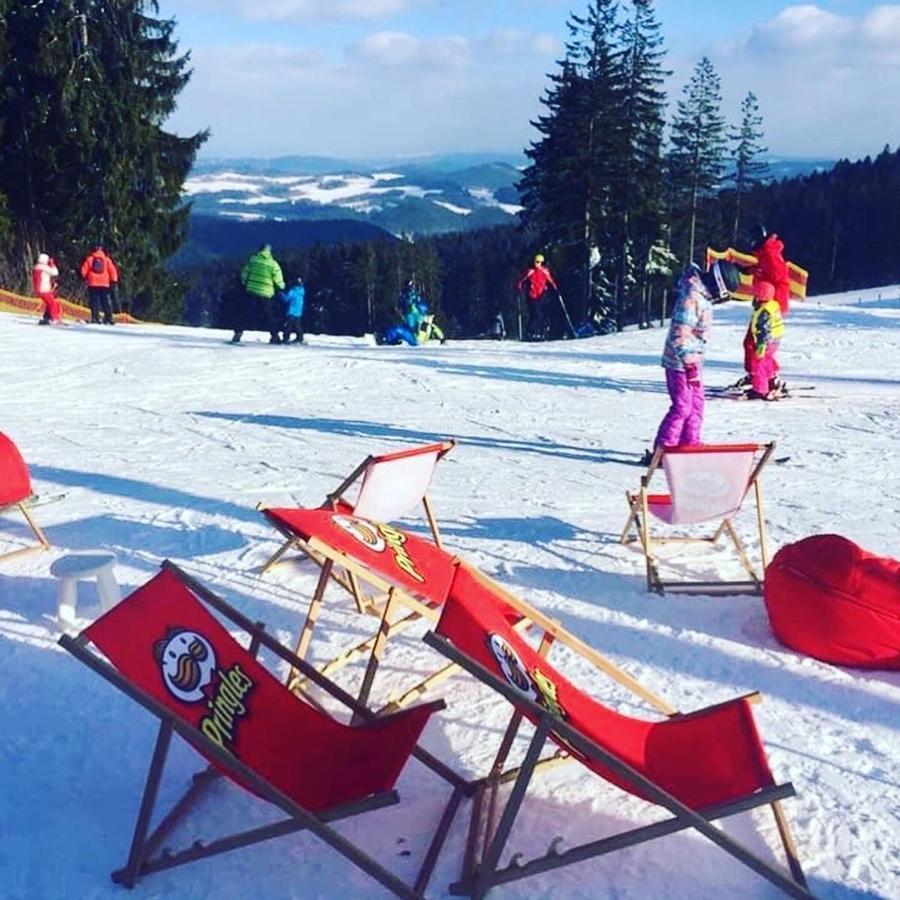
x=624, y=185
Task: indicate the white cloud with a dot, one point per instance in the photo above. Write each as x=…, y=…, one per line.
x=398, y=48
x=392, y=93
x=825, y=82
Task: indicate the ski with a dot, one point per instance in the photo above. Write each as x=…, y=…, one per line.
x=45, y=499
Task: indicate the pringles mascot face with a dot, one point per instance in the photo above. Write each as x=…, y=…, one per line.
x=188, y=662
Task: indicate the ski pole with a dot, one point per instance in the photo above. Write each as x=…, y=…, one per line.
x=519, y=309
x=562, y=303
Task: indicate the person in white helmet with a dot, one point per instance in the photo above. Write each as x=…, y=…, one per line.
x=43, y=282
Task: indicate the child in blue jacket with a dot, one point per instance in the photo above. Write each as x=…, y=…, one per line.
x=293, y=324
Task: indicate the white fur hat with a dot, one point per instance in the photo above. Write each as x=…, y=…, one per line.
x=43, y=258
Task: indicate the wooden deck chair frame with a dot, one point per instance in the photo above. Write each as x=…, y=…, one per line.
x=335, y=500
x=141, y=860
x=480, y=875
x=43, y=544
x=639, y=519
x=398, y=611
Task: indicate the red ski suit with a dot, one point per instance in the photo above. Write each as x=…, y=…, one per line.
x=538, y=276
x=771, y=267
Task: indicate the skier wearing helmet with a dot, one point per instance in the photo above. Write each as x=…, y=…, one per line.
x=537, y=278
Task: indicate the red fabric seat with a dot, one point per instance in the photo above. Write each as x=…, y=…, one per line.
x=711, y=756
x=15, y=482
x=828, y=598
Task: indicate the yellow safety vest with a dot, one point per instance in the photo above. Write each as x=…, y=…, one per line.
x=777, y=323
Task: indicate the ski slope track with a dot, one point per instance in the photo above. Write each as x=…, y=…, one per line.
x=159, y=442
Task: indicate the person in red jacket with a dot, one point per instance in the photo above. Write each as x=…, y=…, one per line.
x=100, y=274
x=537, y=278
x=43, y=282
x=770, y=267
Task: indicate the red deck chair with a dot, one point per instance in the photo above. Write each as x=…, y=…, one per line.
x=15, y=491
x=707, y=484
x=391, y=486
x=410, y=573
x=700, y=766
x=173, y=657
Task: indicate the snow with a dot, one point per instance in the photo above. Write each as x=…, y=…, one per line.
x=163, y=439
x=459, y=210
x=486, y=196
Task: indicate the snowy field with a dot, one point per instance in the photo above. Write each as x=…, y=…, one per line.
x=157, y=442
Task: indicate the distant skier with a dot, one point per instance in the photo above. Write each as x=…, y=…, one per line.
x=766, y=329
x=100, y=274
x=537, y=278
x=43, y=283
x=498, y=328
x=417, y=325
x=685, y=348
x=261, y=278
x=772, y=268
x=293, y=314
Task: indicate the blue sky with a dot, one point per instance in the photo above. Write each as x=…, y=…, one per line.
x=403, y=77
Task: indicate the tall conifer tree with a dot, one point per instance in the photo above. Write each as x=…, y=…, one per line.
x=747, y=153
x=697, y=156
x=86, y=93
x=638, y=197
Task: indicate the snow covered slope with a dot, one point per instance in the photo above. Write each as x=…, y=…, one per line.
x=162, y=441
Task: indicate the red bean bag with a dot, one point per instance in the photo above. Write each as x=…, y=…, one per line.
x=15, y=484
x=830, y=599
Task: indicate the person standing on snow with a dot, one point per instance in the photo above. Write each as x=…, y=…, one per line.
x=43, y=283
x=537, y=278
x=770, y=267
x=261, y=278
x=766, y=329
x=101, y=276
x=686, y=346
x=293, y=321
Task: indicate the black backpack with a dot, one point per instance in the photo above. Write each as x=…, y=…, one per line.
x=98, y=265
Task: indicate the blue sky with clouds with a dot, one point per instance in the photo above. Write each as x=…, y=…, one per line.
x=369, y=78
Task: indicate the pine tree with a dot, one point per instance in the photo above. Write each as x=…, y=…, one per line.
x=749, y=168
x=638, y=197
x=88, y=87
x=567, y=189
x=697, y=155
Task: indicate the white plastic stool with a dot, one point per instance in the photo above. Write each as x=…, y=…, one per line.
x=79, y=567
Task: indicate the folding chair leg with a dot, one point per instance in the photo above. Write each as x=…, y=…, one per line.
x=742, y=553
x=489, y=863
x=290, y=542
x=787, y=840
x=407, y=697
x=432, y=522
x=38, y=533
x=761, y=522
x=309, y=624
x=632, y=517
x=128, y=875
x=384, y=630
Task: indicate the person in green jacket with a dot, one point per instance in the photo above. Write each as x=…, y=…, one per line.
x=261, y=278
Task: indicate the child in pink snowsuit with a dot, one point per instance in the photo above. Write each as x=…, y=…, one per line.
x=685, y=347
x=766, y=330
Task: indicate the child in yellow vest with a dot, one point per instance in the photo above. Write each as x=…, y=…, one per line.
x=766, y=329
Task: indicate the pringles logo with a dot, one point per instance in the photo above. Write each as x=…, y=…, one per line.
x=378, y=537
x=535, y=684
x=190, y=673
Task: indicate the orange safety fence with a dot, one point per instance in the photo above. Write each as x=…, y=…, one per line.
x=12, y=302
x=799, y=276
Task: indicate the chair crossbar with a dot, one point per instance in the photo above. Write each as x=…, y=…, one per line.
x=43, y=543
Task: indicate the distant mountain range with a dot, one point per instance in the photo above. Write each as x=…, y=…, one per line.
x=423, y=195
x=416, y=195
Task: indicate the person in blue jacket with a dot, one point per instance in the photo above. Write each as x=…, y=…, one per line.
x=293, y=309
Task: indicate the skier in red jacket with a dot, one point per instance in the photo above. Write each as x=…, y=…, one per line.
x=537, y=278
x=772, y=268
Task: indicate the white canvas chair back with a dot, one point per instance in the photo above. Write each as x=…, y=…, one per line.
x=706, y=482
x=395, y=484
